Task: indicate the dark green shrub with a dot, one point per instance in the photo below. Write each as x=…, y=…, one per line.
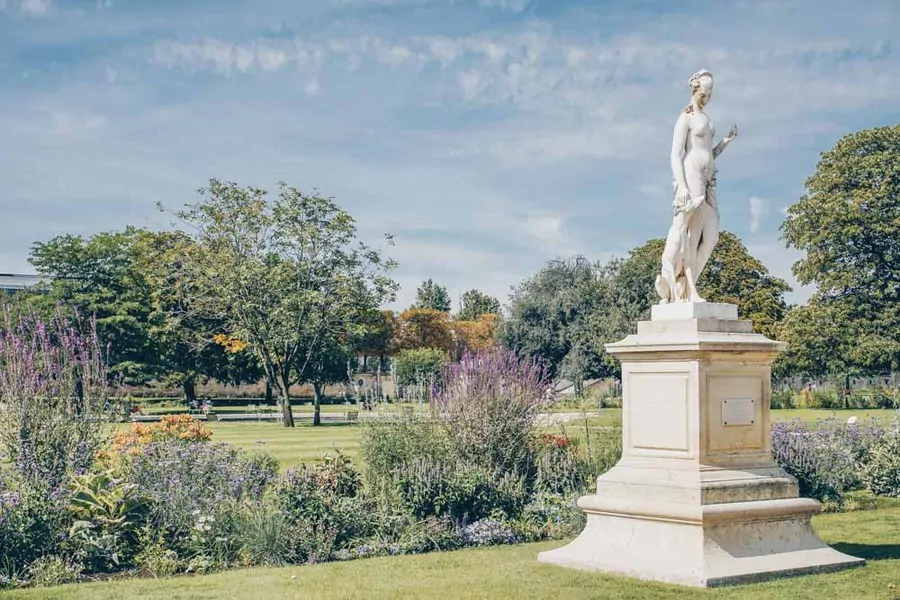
x=783, y=399
x=324, y=508
x=464, y=491
x=32, y=523
x=419, y=365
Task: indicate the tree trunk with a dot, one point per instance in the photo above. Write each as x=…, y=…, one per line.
x=189, y=390
x=317, y=403
x=268, y=392
x=286, y=412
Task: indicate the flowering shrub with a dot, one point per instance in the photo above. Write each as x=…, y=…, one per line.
x=183, y=481
x=32, y=524
x=489, y=403
x=56, y=397
x=826, y=458
x=322, y=506
x=552, y=440
x=182, y=428
x=489, y=532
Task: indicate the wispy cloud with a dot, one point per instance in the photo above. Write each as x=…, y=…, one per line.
x=29, y=8
x=759, y=208
x=489, y=135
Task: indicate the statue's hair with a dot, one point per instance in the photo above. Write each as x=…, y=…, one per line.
x=694, y=83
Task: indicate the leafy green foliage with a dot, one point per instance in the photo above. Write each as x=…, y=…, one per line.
x=419, y=365
x=287, y=277
x=107, y=513
x=848, y=225
x=553, y=315
x=476, y=303
x=882, y=470
x=732, y=275
x=99, y=277
x=433, y=296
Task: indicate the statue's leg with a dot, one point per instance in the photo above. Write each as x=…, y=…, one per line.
x=697, y=186
x=665, y=284
x=710, y=230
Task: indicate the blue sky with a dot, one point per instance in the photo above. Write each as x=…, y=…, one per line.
x=487, y=135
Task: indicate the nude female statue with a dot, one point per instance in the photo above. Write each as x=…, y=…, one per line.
x=695, y=226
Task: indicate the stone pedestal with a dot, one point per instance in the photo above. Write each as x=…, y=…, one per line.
x=696, y=498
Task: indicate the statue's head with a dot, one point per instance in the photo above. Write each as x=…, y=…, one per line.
x=701, y=84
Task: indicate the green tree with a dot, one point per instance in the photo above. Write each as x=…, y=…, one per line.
x=476, y=303
x=375, y=340
x=847, y=223
x=99, y=277
x=283, y=276
x=732, y=275
x=568, y=311
x=327, y=366
x=552, y=314
x=433, y=296
x=186, y=343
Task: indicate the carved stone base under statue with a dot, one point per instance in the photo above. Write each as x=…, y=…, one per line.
x=696, y=498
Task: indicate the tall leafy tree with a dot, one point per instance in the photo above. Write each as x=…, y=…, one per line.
x=552, y=313
x=99, y=277
x=476, y=303
x=375, y=340
x=432, y=296
x=847, y=224
x=474, y=336
x=569, y=310
x=187, y=348
x=284, y=275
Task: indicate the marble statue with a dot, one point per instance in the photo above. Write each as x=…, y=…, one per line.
x=695, y=226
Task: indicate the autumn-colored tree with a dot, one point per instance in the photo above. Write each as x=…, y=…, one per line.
x=475, y=336
x=423, y=328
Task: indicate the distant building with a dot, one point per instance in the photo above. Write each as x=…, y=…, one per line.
x=12, y=282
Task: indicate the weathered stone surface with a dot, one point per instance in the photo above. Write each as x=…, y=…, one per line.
x=696, y=498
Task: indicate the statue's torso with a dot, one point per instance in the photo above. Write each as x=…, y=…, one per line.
x=699, y=144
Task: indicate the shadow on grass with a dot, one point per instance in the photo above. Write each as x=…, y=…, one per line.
x=870, y=551
x=307, y=422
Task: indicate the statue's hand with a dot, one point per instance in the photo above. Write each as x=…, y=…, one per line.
x=695, y=204
x=732, y=133
x=682, y=198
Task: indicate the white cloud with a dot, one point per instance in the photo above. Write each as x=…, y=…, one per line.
x=514, y=6
x=759, y=208
x=312, y=87
x=36, y=8
x=111, y=75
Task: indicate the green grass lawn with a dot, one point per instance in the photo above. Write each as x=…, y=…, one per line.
x=308, y=443
x=513, y=572
x=290, y=446
x=299, y=409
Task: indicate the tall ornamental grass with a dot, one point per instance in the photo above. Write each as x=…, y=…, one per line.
x=54, y=396
x=489, y=403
